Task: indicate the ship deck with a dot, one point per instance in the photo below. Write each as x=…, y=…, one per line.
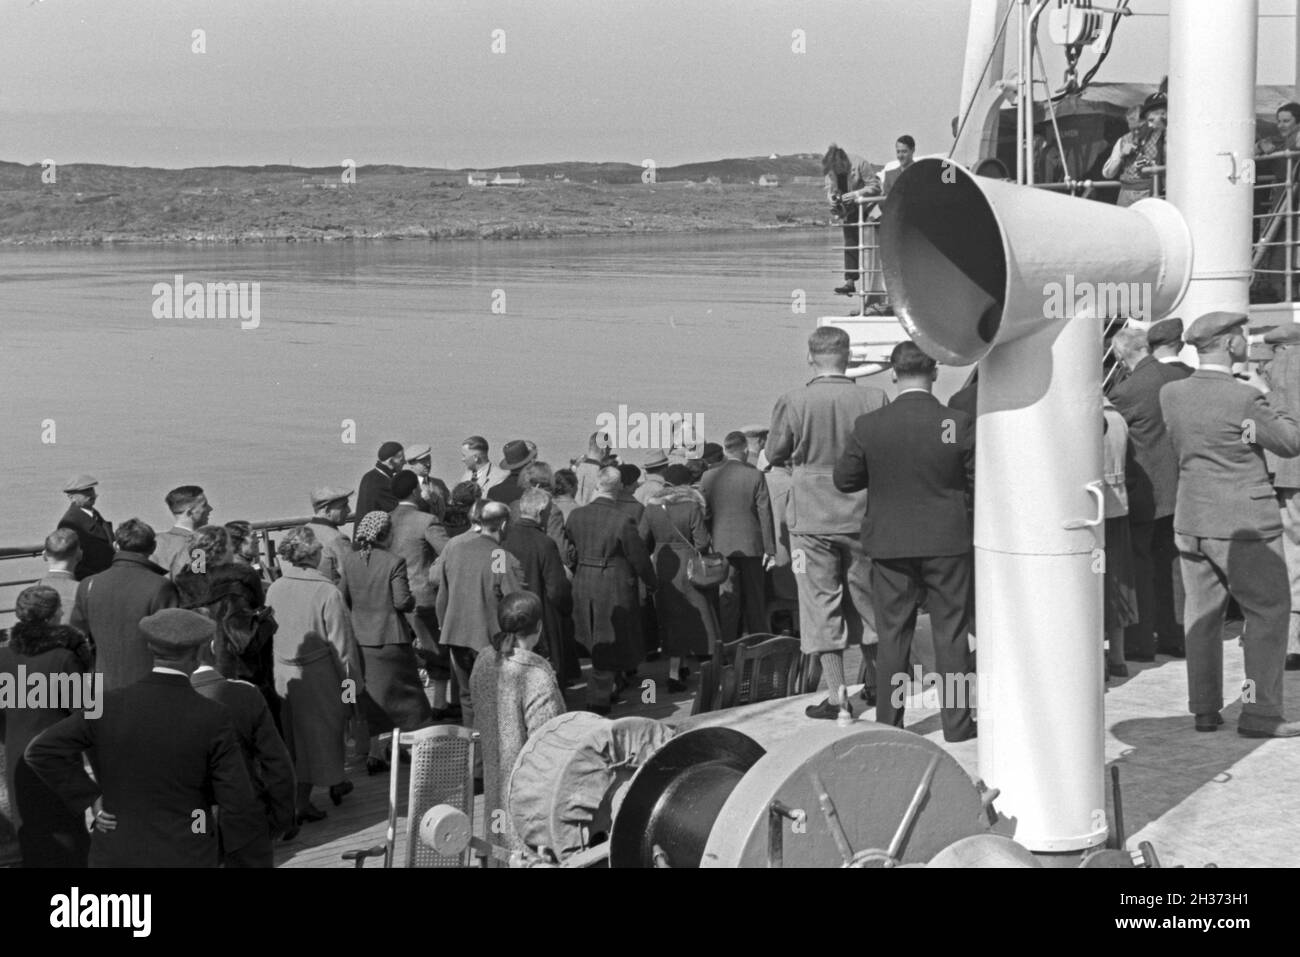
x=1198, y=798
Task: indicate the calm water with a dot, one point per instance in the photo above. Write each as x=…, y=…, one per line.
x=398, y=337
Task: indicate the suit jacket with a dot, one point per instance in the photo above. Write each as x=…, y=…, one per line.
x=375, y=492
x=1220, y=428
x=1284, y=376
x=543, y=570
x=378, y=592
x=163, y=756
x=740, y=511
x=173, y=550
x=508, y=490
x=917, y=457
x=1138, y=399
x=473, y=573
x=270, y=768
x=95, y=534
x=416, y=540
x=810, y=430
x=108, y=609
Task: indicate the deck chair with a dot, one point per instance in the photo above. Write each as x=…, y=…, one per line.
x=762, y=672
x=442, y=772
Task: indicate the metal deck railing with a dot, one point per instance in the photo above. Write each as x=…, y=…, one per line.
x=10, y=588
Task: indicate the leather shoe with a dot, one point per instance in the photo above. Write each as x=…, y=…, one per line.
x=676, y=686
x=974, y=732
x=310, y=814
x=826, y=711
x=1249, y=727
x=1209, y=722
x=868, y=694
x=1293, y=662
x=1117, y=670
x=339, y=791
x=1172, y=652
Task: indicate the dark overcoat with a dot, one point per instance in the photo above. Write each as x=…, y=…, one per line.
x=674, y=529
x=95, y=533
x=606, y=605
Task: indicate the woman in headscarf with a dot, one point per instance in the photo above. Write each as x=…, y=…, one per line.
x=515, y=693
x=674, y=529
x=49, y=834
x=375, y=587
x=318, y=670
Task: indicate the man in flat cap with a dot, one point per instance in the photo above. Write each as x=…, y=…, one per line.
x=1156, y=574
x=163, y=756
x=1227, y=526
x=434, y=494
x=94, y=532
x=330, y=505
x=1165, y=340
x=375, y=493
x=1283, y=375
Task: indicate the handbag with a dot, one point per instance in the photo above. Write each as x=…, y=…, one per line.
x=702, y=570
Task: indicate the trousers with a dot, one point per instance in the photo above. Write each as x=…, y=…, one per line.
x=833, y=576
x=1253, y=572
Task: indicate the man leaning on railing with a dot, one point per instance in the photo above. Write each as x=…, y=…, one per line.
x=848, y=178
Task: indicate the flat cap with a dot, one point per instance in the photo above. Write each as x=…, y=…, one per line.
x=174, y=631
x=754, y=430
x=388, y=450
x=1213, y=324
x=414, y=452
x=328, y=493
x=1164, y=332
x=81, y=483
x=1284, y=334
x=655, y=460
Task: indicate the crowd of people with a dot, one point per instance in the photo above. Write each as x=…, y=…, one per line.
x=236, y=682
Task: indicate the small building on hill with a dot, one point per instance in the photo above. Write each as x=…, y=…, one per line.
x=713, y=181
x=478, y=178
x=507, y=179
x=769, y=179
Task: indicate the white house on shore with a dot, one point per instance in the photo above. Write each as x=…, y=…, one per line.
x=507, y=179
x=478, y=178
x=769, y=179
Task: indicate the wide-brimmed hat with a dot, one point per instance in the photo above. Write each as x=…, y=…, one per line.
x=655, y=460
x=517, y=453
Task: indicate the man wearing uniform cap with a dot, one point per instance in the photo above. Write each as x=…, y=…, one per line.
x=94, y=532
x=375, y=493
x=330, y=505
x=1165, y=340
x=1283, y=375
x=1227, y=526
x=163, y=756
x=1157, y=576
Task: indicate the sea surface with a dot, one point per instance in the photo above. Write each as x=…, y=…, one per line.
x=412, y=341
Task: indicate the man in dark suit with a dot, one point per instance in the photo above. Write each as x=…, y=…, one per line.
x=1165, y=340
x=110, y=605
x=375, y=493
x=544, y=576
x=606, y=604
x=1283, y=375
x=740, y=523
x=1155, y=572
x=916, y=459
x=270, y=768
x=94, y=532
x=418, y=538
x=1227, y=527
x=516, y=455
x=163, y=757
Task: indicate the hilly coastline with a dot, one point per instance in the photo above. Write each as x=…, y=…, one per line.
x=92, y=204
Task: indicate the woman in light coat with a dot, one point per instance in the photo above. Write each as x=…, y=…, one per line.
x=318, y=670
x=515, y=693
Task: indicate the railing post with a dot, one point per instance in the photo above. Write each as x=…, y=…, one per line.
x=1290, y=226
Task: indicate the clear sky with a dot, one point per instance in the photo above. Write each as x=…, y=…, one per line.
x=416, y=82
